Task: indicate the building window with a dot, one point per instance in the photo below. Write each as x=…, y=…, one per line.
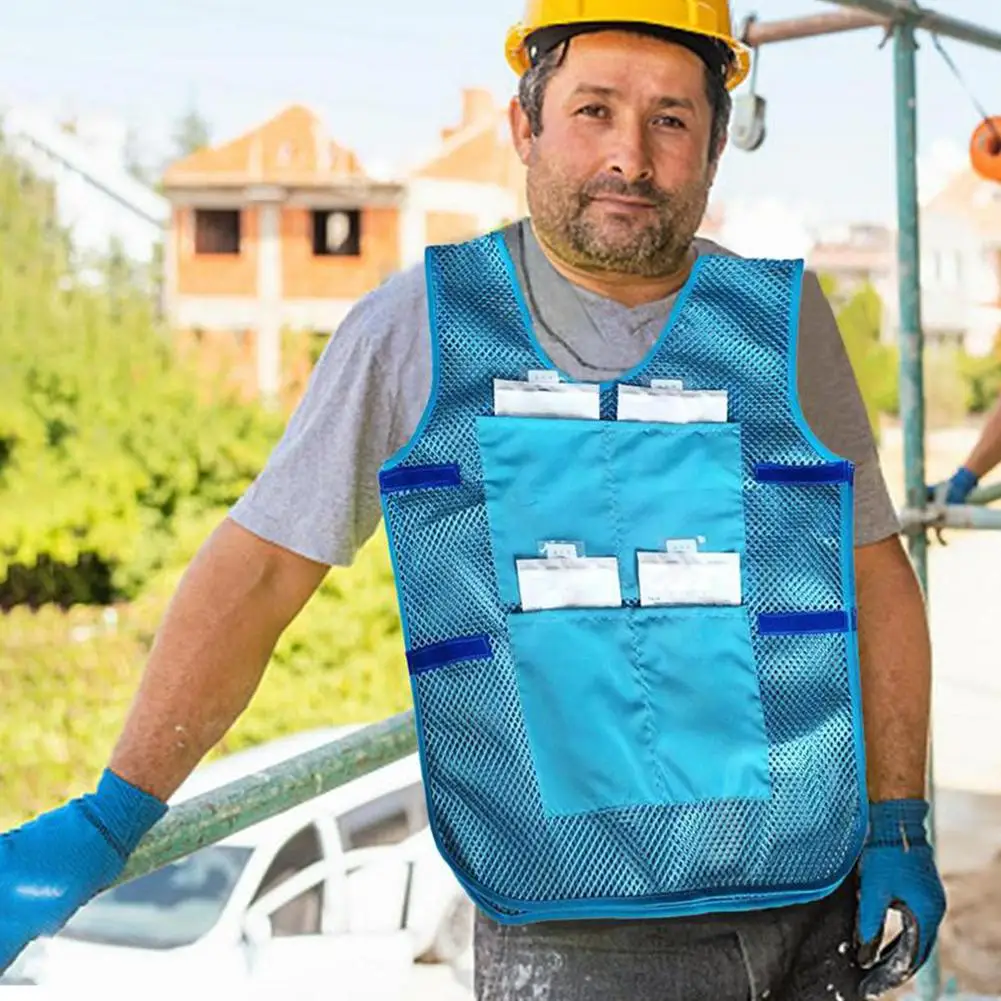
x=303, y=914
x=337, y=233
x=385, y=821
x=947, y=339
x=217, y=231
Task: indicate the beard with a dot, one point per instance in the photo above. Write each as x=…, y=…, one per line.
x=649, y=243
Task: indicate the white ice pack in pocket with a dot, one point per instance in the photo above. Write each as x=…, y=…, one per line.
x=689, y=578
x=670, y=404
x=546, y=398
x=576, y=582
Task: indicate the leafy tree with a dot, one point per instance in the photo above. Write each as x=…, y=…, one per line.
x=983, y=378
x=191, y=132
x=133, y=158
x=106, y=442
x=115, y=464
x=874, y=363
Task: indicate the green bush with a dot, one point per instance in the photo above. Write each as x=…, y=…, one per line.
x=67, y=678
x=982, y=376
x=945, y=389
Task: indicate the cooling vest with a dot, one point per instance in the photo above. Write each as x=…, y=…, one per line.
x=629, y=607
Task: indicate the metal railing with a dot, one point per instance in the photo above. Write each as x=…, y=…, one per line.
x=971, y=515
x=206, y=819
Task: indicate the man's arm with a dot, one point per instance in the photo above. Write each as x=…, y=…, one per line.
x=895, y=653
x=897, y=867
x=235, y=600
x=893, y=632
x=313, y=506
x=986, y=453
x=897, y=870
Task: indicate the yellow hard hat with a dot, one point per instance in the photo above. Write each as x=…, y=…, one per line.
x=708, y=18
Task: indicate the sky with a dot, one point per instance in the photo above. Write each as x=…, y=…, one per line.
x=386, y=75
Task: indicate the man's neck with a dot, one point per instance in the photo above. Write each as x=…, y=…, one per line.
x=630, y=290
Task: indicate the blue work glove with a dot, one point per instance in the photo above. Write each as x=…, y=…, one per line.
x=897, y=872
x=53, y=865
x=954, y=490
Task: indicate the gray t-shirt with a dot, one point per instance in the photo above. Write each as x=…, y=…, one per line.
x=318, y=494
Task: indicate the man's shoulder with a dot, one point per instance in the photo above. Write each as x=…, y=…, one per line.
x=401, y=301
x=397, y=296
x=389, y=318
x=708, y=247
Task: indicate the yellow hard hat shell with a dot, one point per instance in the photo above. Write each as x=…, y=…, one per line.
x=710, y=18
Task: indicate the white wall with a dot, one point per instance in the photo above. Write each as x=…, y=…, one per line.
x=958, y=280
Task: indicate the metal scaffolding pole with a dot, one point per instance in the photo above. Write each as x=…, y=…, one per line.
x=904, y=12
x=795, y=28
x=868, y=14
x=911, y=341
x=909, y=262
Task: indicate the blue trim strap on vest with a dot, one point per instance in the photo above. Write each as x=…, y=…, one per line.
x=430, y=658
x=394, y=481
x=806, y=623
x=828, y=472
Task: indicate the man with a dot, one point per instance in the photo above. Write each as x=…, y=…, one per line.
x=625, y=565
x=984, y=456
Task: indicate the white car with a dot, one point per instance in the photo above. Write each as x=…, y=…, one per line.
x=347, y=887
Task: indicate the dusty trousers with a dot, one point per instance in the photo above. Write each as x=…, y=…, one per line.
x=801, y=953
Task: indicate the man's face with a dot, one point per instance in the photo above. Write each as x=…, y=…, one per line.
x=619, y=177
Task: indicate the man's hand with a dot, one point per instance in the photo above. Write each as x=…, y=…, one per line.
x=897, y=872
x=956, y=489
x=52, y=866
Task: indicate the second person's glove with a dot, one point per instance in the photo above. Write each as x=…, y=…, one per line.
x=956, y=489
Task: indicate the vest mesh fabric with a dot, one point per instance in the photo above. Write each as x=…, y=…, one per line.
x=731, y=329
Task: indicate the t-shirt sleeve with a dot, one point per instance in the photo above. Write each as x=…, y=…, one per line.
x=318, y=494
x=833, y=407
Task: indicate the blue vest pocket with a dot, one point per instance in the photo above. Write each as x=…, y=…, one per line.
x=617, y=487
x=640, y=706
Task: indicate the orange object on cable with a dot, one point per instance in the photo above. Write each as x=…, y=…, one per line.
x=985, y=149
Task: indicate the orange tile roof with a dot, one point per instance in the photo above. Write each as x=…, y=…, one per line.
x=292, y=149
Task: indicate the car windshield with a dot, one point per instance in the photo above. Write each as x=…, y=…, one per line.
x=172, y=907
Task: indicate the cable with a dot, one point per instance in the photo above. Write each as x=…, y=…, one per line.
x=976, y=104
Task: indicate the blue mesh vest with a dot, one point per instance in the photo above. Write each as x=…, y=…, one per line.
x=630, y=761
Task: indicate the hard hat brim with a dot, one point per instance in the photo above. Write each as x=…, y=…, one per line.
x=518, y=59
